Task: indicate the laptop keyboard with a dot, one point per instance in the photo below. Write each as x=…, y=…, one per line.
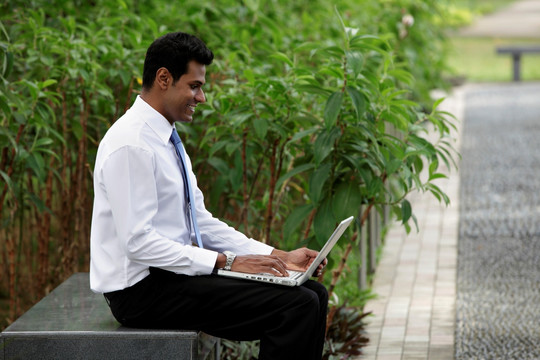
x=292, y=274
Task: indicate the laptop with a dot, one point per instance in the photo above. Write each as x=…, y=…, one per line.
x=295, y=278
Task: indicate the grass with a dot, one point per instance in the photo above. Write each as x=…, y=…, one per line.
x=476, y=60
x=481, y=7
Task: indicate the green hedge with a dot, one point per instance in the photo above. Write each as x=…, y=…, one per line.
x=314, y=109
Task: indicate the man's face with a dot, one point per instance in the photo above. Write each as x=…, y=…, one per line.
x=181, y=98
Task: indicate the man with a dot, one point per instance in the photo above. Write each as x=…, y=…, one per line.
x=142, y=253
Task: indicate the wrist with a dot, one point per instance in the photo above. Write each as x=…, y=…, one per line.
x=225, y=260
x=283, y=255
x=220, y=261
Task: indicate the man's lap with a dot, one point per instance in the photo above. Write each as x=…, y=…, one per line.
x=210, y=303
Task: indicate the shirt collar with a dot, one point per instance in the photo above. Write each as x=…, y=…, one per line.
x=157, y=122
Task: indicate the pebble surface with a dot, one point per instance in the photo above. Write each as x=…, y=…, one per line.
x=498, y=276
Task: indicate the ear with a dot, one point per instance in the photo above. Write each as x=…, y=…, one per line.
x=163, y=78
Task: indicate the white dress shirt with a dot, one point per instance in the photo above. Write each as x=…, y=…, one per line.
x=140, y=217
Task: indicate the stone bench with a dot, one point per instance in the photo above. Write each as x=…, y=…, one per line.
x=516, y=51
x=72, y=322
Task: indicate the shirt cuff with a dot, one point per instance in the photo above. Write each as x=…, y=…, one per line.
x=204, y=261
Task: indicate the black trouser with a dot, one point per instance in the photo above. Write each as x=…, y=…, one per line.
x=289, y=321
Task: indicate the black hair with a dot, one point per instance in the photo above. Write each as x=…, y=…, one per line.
x=174, y=51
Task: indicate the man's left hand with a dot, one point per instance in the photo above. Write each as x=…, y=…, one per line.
x=300, y=259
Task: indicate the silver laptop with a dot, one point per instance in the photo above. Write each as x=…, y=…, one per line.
x=295, y=278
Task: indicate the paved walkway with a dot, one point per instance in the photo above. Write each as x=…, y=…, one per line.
x=414, y=313
x=520, y=19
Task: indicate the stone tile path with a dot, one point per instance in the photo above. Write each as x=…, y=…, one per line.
x=414, y=313
x=517, y=20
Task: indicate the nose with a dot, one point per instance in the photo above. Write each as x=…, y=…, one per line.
x=200, y=97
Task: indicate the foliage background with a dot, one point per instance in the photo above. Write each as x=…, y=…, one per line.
x=314, y=109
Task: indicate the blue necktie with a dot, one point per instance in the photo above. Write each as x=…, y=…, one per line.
x=175, y=139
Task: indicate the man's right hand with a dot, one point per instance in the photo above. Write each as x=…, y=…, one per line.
x=255, y=264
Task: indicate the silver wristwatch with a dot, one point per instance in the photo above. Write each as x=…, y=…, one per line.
x=230, y=259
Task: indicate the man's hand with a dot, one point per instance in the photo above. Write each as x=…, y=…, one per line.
x=300, y=259
x=256, y=264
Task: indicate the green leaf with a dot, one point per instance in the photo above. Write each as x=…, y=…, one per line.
x=324, y=222
x=406, y=211
x=374, y=187
x=316, y=182
x=232, y=147
x=7, y=179
x=36, y=163
x=299, y=135
x=324, y=144
x=347, y=200
x=355, y=60
x=358, y=100
x=217, y=146
x=4, y=106
x=437, y=103
x=253, y=5
x=282, y=57
x=312, y=89
x=297, y=170
x=43, y=142
x=295, y=219
x=261, y=127
x=332, y=109
x=392, y=166
x=438, y=193
x=249, y=75
x=437, y=176
x=219, y=165
x=33, y=88
x=19, y=118
x=333, y=51
x=219, y=186
x=8, y=65
x=433, y=166
x=46, y=83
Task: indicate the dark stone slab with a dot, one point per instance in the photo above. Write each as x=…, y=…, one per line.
x=72, y=322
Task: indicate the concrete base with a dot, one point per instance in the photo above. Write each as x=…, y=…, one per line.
x=72, y=322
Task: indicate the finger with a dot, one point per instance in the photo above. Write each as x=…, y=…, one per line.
x=310, y=253
x=320, y=269
x=273, y=265
x=279, y=268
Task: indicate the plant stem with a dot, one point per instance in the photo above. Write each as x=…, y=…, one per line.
x=244, y=212
x=337, y=273
x=272, y=187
